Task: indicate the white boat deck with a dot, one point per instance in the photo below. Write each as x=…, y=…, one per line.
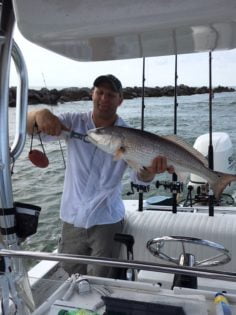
x=150, y=286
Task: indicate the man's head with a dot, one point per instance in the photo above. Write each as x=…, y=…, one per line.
x=110, y=79
x=107, y=96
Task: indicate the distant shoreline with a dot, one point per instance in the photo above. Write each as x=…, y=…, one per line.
x=72, y=94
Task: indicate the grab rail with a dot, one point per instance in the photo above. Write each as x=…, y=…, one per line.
x=141, y=265
x=21, y=102
x=5, y=57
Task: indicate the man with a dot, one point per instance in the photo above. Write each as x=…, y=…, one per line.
x=92, y=210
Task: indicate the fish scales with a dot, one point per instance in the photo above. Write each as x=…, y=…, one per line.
x=146, y=146
x=138, y=148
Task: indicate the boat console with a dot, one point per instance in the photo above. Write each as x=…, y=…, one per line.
x=93, y=295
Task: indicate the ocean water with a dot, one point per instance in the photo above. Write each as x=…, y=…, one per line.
x=43, y=187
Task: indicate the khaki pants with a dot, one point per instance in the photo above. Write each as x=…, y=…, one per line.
x=96, y=241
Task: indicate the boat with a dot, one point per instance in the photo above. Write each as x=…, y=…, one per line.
x=182, y=257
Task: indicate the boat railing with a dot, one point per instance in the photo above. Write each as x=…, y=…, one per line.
x=134, y=264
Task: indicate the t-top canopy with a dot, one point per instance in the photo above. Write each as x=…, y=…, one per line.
x=89, y=30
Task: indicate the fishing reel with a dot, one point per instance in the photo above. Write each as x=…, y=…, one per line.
x=175, y=187
x=201, y=197
x=138, y=188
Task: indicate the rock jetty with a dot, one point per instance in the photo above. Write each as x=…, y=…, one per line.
x=72, y=94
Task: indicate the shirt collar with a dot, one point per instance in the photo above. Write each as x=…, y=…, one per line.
x=91, y=124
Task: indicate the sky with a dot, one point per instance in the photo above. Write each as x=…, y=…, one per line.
x=48, y=69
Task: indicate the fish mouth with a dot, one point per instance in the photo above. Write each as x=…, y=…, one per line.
x=92, y=135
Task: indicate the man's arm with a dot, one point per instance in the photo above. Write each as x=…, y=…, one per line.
x=45, y=121
x=159, y=165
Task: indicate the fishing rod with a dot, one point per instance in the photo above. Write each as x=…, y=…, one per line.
x=140, y=205
x=210, y=147
x=174, y=176
x=175, y=95
x=143, y=95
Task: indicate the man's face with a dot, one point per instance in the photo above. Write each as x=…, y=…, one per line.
x=105, y=101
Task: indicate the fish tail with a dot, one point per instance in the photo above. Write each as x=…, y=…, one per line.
x=221, y=182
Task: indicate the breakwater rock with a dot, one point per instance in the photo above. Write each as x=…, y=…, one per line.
x=72, y=94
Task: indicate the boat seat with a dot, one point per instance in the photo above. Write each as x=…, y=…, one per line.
x=149, y=224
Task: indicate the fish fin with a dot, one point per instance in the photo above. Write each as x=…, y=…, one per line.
x=136, y=166
x=119, y=154
x=175, y=139
x=219, y=185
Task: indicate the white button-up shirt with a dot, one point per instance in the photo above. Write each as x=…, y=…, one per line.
x=92, y=185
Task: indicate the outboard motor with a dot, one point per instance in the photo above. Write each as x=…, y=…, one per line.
x=223, y=158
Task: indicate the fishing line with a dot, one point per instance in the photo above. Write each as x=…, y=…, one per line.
x=37, y=157
x=59, y=141
x=13, y=164
x=59, y=224
x=62, y=154
x=32, y=137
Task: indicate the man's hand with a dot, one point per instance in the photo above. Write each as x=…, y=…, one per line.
x=46, y=122
x=159, y=165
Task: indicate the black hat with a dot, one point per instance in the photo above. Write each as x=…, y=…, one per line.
x=114, y=82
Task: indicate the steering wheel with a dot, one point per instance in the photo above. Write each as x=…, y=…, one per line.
x=156, y=245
